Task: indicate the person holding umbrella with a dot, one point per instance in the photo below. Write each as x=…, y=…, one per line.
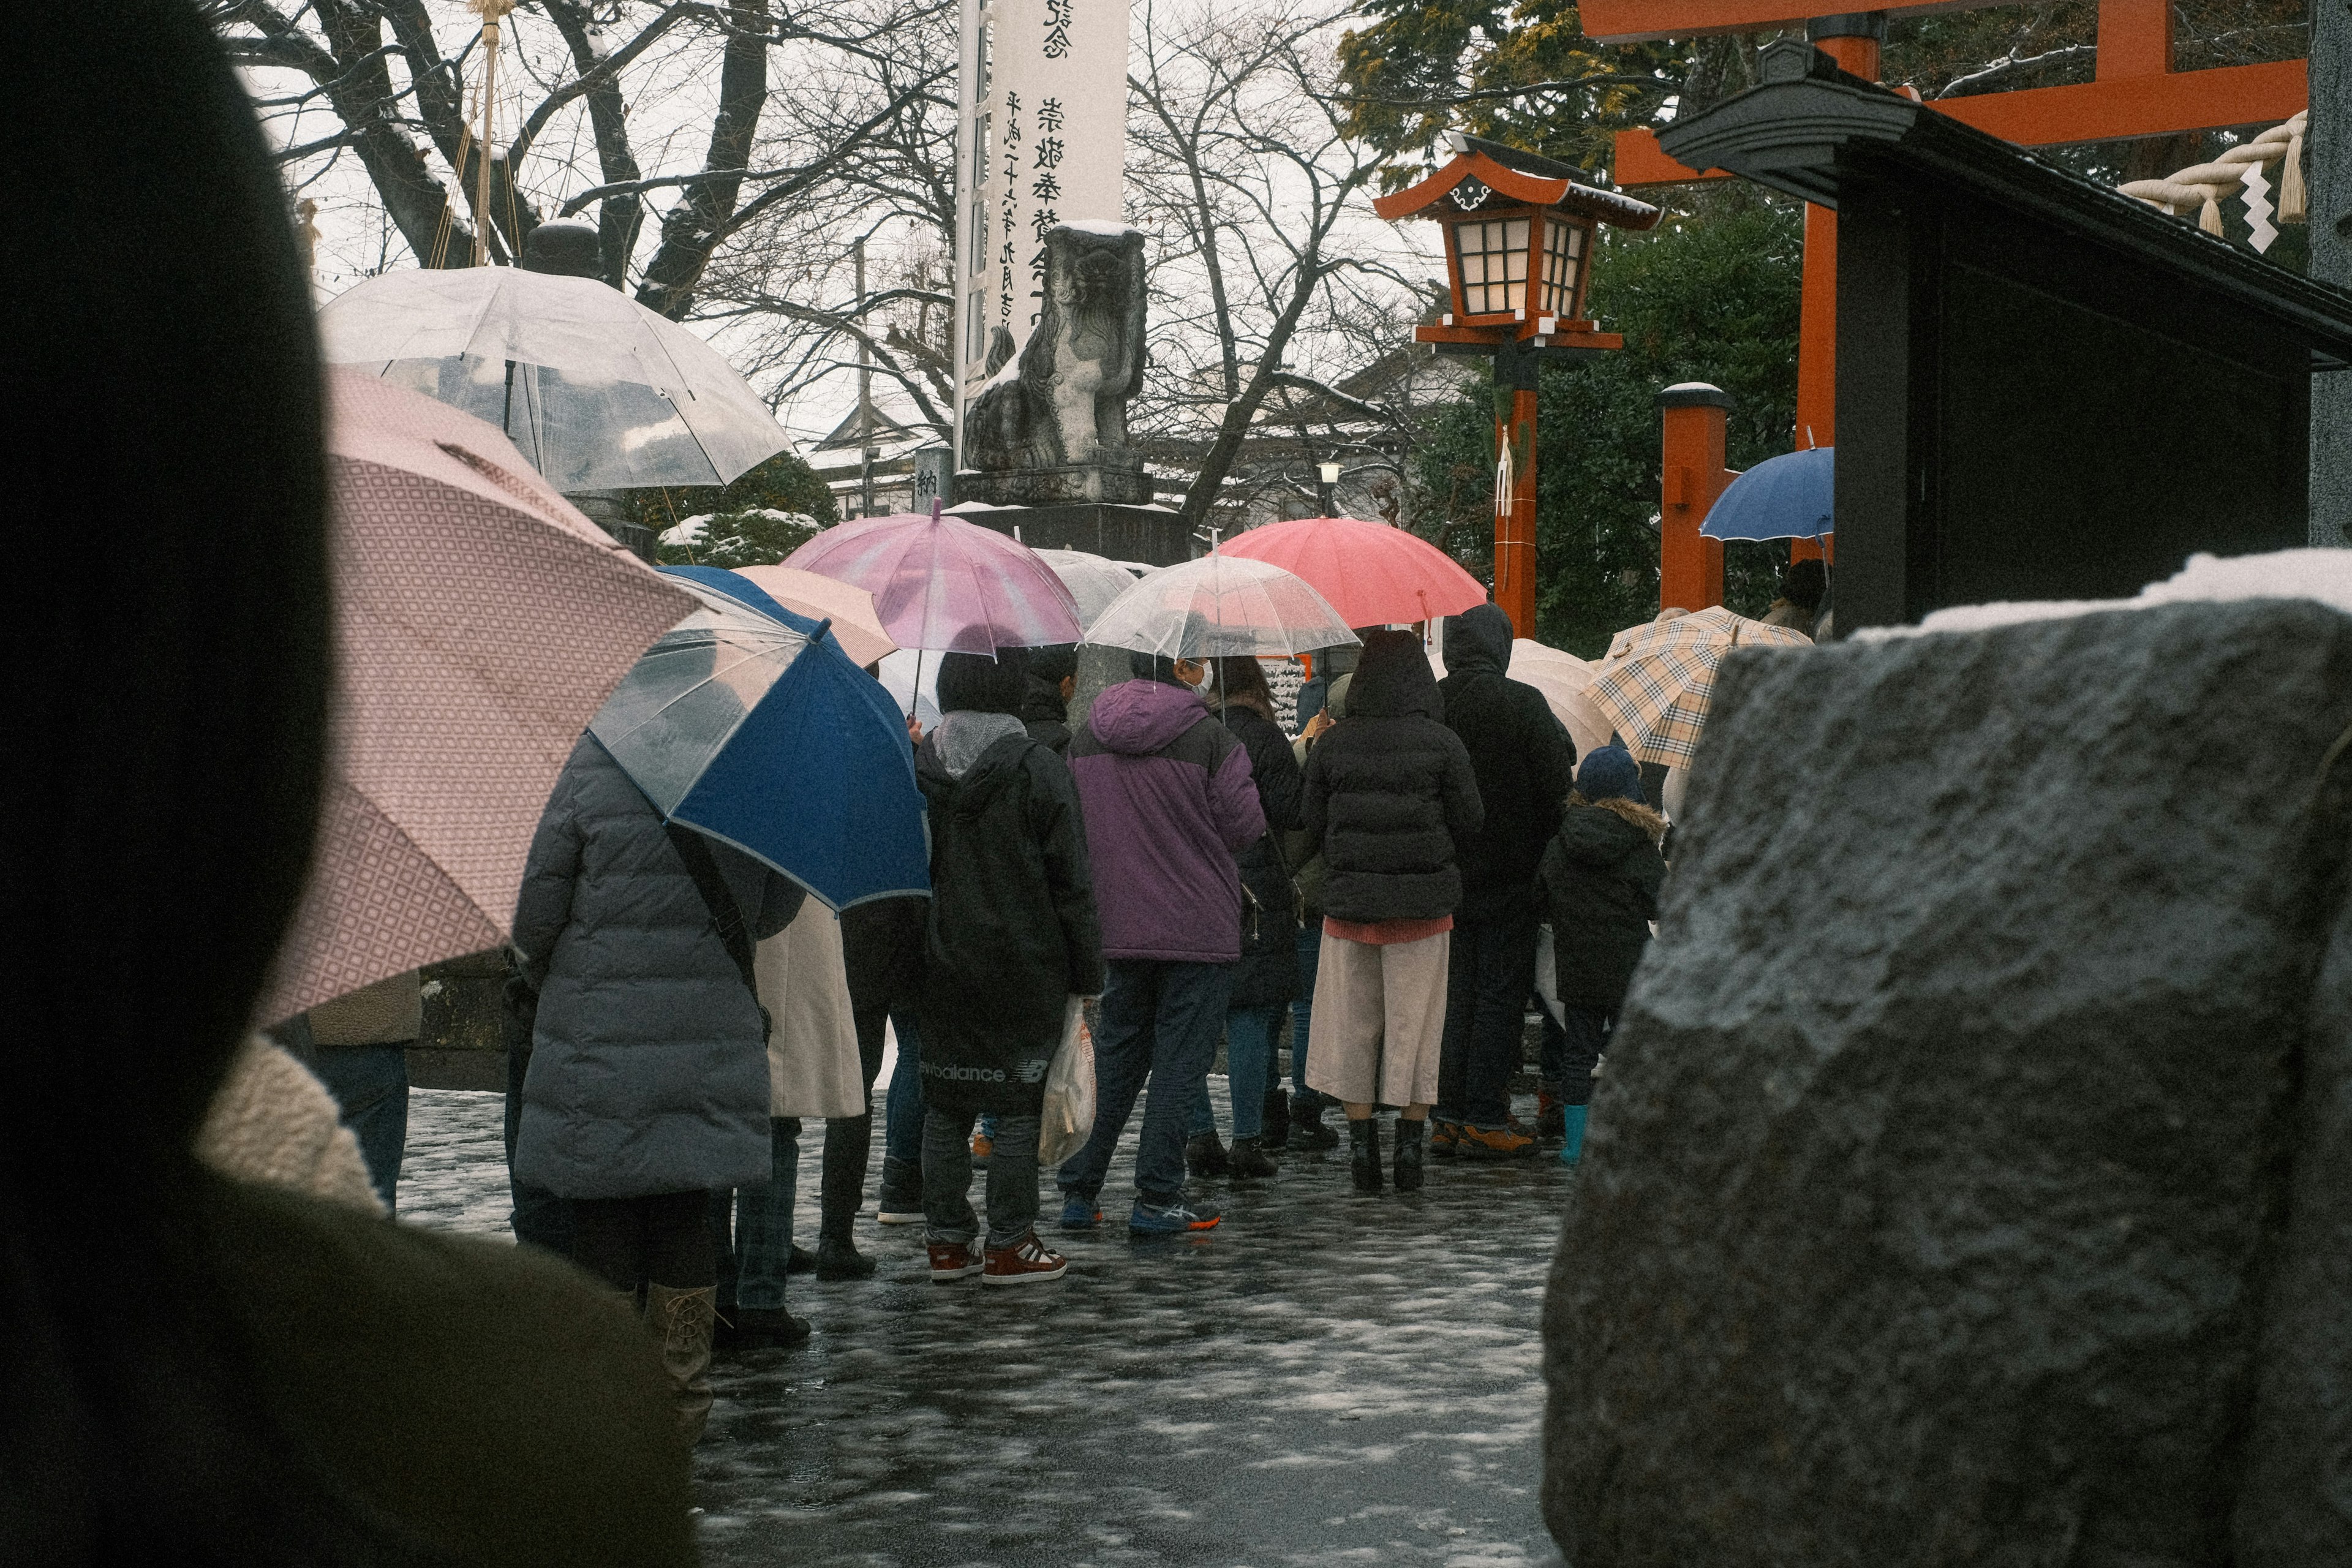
x=648, y=1081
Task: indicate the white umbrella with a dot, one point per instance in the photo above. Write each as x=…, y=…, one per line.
x=1092, y=581
x=599, y=392
x=1217, y=606
x=1566, y=683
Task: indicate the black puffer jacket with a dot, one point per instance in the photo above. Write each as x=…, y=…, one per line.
x=1387, y=789
x=1012, y=933
x=1599, y=884
x=1525, y=762
x=1268, y=971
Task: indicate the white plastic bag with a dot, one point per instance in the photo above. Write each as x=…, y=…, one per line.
x=1548, y=973
x=813, y=1068
x=1068, y=1119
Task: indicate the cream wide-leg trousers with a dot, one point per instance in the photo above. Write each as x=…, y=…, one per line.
x=1380, y=1017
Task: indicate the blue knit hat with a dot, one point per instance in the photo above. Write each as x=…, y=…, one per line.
x=1609, y=772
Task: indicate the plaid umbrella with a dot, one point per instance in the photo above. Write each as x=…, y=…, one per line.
x=1660, y=678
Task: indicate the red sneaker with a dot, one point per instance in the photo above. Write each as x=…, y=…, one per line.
x=953, y=1261
x=1026, y=1262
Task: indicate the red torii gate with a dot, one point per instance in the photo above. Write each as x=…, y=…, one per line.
x=2135, y=93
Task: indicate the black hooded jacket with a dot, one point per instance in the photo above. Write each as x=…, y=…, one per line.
x=1601, y=878
x=1387, y=789
x=1046, y=716
x=1012, y=933
x=1525, y=762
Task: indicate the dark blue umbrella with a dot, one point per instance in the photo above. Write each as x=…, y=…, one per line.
x=1787, y=497
x=747, y=723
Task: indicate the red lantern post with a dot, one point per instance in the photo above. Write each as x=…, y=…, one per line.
x=1519, y=237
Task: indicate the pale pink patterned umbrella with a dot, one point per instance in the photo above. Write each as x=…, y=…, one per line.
x=945, y=584
x=481, y=621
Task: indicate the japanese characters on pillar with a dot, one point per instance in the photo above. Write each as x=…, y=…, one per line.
x=1044, y=141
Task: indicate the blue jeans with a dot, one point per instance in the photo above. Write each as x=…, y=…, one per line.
x=1551, y=1059
x=947, y=1178
x=1249, y=1071
x=1158, y=1020
x=1302, y=1006
x=1490, y=971
x=752, y=1271
x=902, y=1107
x=370, y=1084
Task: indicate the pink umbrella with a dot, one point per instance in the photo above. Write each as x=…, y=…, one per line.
x=1372, y=575
x=481, y=621
x=855, y=626
x=945, y=584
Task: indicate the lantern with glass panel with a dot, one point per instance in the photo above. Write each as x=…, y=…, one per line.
x=1518, y=243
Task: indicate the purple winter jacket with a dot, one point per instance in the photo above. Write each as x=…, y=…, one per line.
x=1167, y=799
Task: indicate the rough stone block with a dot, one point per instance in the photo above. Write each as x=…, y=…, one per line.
x=1968, y=1184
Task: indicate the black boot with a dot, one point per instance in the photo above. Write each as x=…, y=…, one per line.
x=848, y=1140
x=801, y=1261
x=1277, y=1117
x=1205, y=1154
x=1249, y=1160
x=1364, y=1153
x=1307, y=1129
x=1408, y=1154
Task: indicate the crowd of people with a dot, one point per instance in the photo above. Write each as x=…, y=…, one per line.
x=1173, y=868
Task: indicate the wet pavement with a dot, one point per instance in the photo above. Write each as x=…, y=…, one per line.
x=1324, y=1379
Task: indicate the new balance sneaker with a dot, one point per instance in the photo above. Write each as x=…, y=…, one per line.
x=1171, y=1219
x=1080, y=1214
x=954, y=1259
x=1027, y=1261
x=896, y=1210
x=1504, y=1142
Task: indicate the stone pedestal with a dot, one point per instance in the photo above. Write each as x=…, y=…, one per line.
x=1115, y=484
x=1153, y=535
x=609, y=511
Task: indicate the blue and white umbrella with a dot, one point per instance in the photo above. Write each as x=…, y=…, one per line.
x=1787, y=497
x=743, y=722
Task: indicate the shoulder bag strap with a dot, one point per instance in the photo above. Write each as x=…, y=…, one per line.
x=719, y=899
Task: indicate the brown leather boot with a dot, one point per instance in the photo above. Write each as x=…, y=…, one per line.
x=681, y=1322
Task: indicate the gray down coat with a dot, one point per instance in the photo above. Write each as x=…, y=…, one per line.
x=648, y=1069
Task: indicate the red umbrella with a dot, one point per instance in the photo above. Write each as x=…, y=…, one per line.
x=481, y=621
x=942, y=584
x=1373, y=573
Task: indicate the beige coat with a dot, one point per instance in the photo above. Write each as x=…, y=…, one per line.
x=813, y=1067
x=274, y=1123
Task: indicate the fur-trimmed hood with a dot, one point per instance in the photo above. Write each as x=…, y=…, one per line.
x=1633, y=811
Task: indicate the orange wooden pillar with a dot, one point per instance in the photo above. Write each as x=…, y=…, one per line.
x=1690, y=575
x=1515, y=516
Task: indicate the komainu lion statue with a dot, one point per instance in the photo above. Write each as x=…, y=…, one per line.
x=1065, y=404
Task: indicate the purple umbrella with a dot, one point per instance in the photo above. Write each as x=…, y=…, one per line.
x=945, y=584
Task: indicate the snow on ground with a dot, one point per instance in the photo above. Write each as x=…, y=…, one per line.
x=1325, y=1379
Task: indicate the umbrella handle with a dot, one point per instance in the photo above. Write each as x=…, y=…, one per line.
x=823, y=627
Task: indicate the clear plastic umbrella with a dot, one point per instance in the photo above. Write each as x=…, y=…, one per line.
x=1217, y=606
x=599, y=392
x=1092, y=581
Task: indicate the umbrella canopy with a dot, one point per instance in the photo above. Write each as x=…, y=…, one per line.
x=1566, y=682
x=599, y=392
x=1217, y=606
x=479, y=620
x=1656, y=692
x=1787, y=497
x=1092, y=581
x=848, y=607
x=945, y=584
x=1372, y=575
x=739, y=724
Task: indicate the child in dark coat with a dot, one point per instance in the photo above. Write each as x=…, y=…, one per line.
x=1599, y=885
x=1012, y=936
